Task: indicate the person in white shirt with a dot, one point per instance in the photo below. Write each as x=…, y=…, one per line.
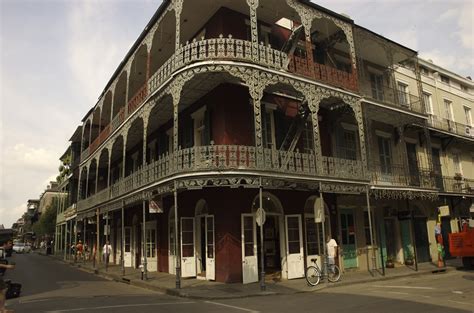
x=332, y=251
x=106, y=251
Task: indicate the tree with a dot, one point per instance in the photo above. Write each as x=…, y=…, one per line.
x=47, y=222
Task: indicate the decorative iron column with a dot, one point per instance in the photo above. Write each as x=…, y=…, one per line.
x=357, y=107
x=253, y=5
x=314, y=99
x=144, y=241
x=176, y=242
x=371, y=232
x=122, y=244
x=178, y=8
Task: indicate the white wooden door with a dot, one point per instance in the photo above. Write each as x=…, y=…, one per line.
x=249, y=249
x=151, y=255
x=188, y=257
x=294, y=246
x=128, y=247
x=210, y=249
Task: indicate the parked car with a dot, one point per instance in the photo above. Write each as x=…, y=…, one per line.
x=21, y=247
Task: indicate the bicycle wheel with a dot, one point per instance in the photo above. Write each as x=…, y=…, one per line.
x=334, y=274
x=313, y=275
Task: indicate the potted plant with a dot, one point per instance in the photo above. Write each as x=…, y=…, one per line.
x=409, y=259
x=390, y=263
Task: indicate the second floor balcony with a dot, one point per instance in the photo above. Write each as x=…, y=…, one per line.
x=227, y=161
x=451, y=126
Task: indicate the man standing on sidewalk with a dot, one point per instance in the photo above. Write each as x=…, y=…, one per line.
x=106, y=250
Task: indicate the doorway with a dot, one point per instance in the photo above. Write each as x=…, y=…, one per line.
x=205, y=242
x=348, y=236
x=421, y=240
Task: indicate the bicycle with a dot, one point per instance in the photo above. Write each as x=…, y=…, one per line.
x=313, y=273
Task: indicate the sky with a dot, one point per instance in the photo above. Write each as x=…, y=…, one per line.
x=56, y=57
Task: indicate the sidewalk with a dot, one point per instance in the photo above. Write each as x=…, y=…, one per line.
x=203, y=289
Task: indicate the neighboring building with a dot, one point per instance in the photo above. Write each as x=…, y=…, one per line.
x=68, y=187
x=47, y=197
x=236, y=107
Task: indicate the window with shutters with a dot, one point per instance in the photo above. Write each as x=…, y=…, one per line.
x=385, y=155
x=376, y=83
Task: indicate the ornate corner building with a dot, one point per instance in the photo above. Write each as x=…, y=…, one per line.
x=223, y=108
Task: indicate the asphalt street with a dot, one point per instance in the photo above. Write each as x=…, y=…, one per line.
x=52, y=286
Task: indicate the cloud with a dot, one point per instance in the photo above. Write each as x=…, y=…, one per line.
x=466, y=26
x=464, y=63
x=31, y=158
x=9, y=216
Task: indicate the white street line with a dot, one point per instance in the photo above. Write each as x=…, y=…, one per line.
x=119, y=306
x=457, y=292
x=465, y=303
x=404, y=287
x=233, y=307
x=33, y=300
x=392, y=292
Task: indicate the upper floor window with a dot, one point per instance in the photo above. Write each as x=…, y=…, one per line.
x=425, y=71
x=347, y=144
x=268, y=126
x=464, y=88
x=428, y=102
x=444, y=79
x=457, y=164
x=402, y=93
x=385, y=155
x=467, y=111
x=376, y=83
x=448, y=109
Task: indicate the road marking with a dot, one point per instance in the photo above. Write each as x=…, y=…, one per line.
x=465, y=303
x=457, y=292
x=405, y=287
x=120, y=306
x=33, y=300
x=233, y=307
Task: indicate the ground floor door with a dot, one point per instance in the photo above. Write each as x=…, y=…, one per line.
x=150, y=248
x=249, y=249
x=313, y=240
x=210, y=249
x=421, y=241
x=405, y=233
x=349, y=247
x=188, y=258
x=294, y=246
x=128, y=247
x=445, y=230
x=390, y=238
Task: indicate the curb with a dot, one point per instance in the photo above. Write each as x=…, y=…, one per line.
x=184, y=294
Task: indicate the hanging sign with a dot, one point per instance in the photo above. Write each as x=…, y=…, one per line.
x=318, y=210
x=260, y=216
x=155, y=206
x=444, y=210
